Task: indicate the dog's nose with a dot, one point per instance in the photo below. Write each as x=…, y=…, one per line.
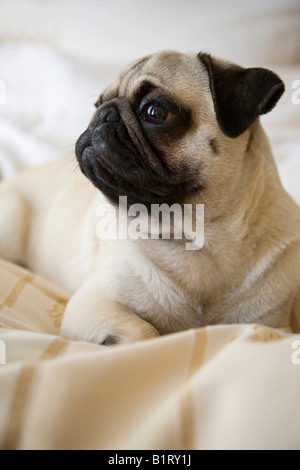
x=109, y=115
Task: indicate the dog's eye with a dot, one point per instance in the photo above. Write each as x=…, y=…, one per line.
x=157, y=114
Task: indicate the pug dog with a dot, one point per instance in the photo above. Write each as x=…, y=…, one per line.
x=178, y=129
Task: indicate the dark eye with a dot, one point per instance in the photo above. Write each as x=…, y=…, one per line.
x=156, y=114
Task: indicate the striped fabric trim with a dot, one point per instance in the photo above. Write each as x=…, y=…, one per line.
x=187, y=411
x=17, y=290
x=22, y=396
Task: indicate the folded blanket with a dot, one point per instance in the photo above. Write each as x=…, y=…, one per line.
x=219, y=387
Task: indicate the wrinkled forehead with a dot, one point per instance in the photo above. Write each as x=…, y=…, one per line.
x=179, y=75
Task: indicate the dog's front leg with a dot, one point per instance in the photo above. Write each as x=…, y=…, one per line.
x=14, y=221
x=91, y=315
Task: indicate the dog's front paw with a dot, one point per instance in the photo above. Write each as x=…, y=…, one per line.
x=112, y=335
x=97, y=319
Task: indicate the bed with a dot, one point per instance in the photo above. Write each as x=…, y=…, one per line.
x=219, y=387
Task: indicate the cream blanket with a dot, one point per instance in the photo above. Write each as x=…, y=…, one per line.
x=219, y=387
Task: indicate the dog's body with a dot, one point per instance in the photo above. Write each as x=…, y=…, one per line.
x=188, y=150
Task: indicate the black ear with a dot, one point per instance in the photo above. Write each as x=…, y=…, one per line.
x=240, y=95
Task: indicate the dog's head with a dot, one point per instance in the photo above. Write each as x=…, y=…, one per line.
x=174, y=125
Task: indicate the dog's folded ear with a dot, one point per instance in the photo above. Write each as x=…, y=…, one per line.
x=240, y=94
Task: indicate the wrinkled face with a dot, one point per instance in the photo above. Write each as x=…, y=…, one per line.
x=139, y=143
x=175, y=127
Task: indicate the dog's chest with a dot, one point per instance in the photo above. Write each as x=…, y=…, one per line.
x=153, y=296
